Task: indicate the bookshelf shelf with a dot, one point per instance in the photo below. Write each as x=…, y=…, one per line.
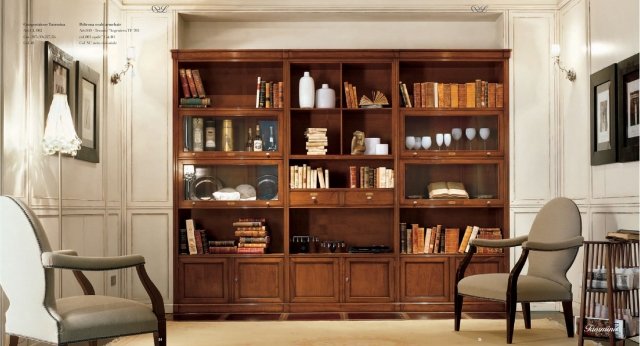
x=349, y=158
x=284, y=280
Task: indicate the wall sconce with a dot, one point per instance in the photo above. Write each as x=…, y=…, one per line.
x=131, y=59
x=570, y=74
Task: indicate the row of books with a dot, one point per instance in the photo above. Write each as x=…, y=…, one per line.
x=438, y=239
x=269, y=94
x=350, y=95
x=307, y=177
x=191, y=240
x=316, y=140
x=476, y=94
x=366, y=177
x=194, y=95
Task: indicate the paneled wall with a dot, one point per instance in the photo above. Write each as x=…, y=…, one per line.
x=92, y=219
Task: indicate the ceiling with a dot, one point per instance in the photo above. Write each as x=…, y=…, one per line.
x=338, y=4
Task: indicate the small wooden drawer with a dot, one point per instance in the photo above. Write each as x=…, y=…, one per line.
x=319, y=198
x=380, y=197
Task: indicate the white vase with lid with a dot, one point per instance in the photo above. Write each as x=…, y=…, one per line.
x=325, y=97
x=306, y=91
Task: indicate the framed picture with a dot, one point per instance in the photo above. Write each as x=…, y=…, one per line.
x=88, y=118
x=603, y=116
x=58, y=77
x=628, y=112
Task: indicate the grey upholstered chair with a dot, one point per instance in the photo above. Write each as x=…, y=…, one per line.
x=27, y=277
x=551, y=248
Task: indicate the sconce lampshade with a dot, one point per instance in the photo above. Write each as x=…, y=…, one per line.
x=59, y=133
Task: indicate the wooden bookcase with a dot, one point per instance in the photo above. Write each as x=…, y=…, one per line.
x=285, y=280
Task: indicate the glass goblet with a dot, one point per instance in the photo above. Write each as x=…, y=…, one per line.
x=426, y=142
x=470, y=132
x=439, y=139
x=409, y=142
x=484, y=134
x=447, y=140
x=456, y=133
x=416, y=145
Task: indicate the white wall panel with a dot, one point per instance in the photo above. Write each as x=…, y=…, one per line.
x=607, y=219
x=574, y=111
x=149, y=236
x=313, y=34
x=84, y=234
x=532, y=127
x=149, y=135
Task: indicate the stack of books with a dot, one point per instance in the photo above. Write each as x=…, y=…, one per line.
x=252, y=234
x=316, y=140
x=222, y=246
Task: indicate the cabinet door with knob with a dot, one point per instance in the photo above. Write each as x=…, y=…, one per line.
x=258, y=280
x=369, y=280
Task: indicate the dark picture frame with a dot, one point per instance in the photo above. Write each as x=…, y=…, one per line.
x=628, y=109
x=58, y=77
x=603, y=116
x=88, y=119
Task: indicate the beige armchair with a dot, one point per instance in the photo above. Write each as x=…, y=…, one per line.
x=27, y=266
x=551, y=248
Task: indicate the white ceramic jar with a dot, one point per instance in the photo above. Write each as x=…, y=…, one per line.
x=325, y=97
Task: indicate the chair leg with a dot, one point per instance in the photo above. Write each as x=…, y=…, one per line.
x=510, y=307
x=457, y=311
x=526, y=313
x=567, y=308
x=93, y=343
x=13, y=340
x=160, y=337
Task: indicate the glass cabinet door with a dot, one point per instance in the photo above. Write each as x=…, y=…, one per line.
x=231, y=135
x=230, y=183
x=452, y=183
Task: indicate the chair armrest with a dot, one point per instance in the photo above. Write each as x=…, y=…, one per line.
x=66, y=252
x=555, y=246
x=499, y=243
x=64, y=261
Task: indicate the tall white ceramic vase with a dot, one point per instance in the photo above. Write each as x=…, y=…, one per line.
x=325, y=97
x=306, y=91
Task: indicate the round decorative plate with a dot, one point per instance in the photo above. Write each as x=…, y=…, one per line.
x=267, y=187
x=203, y=188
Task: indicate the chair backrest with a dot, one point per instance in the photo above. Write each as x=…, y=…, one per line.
x=558, y=220
x=27, y=284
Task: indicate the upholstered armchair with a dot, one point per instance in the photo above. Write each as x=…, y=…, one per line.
x=550, y=247
x=27, y=266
